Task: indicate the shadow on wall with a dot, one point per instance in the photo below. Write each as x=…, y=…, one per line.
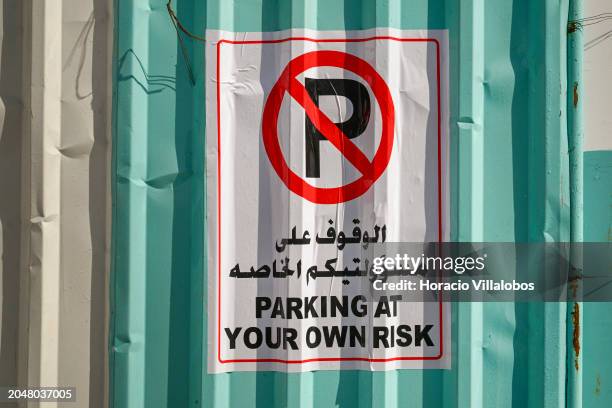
x=99, y=193
x=150, y=84
x=11, y=71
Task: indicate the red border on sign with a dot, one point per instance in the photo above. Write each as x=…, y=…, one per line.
x=440, y=210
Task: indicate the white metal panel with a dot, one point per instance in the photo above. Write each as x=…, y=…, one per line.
x=58, y=143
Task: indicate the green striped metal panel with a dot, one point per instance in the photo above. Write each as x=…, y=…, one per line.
x=509, y=177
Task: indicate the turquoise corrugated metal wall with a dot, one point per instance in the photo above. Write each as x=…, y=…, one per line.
x=509, y=169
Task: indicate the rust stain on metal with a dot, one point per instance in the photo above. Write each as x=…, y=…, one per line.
x=576, y=333
x=575, y=94
x=573, y=282
x=598, y=385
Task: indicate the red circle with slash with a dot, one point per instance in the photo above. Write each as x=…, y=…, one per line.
x=370, y=170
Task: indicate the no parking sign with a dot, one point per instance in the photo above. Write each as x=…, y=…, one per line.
x=320, y=144
x=320, y=124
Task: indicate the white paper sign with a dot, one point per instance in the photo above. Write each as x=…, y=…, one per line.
x=319, y=144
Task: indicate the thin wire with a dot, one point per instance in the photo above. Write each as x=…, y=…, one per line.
x=180, y=27
x=595, y=17
x=580, y=23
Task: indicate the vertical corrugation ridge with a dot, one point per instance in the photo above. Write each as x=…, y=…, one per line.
x=575, y=310
x=208, y=388
x=312, y=383
x=388, y=14
x=43, y=162
x=129, y=340
x=307, y=390
x=368, y=382
x=229, y=382
x=112, y=279
x=26, y=194
x=551, y=219
x=13, y=73
x=159, y=174
x=469, y=127
x=198, y=253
